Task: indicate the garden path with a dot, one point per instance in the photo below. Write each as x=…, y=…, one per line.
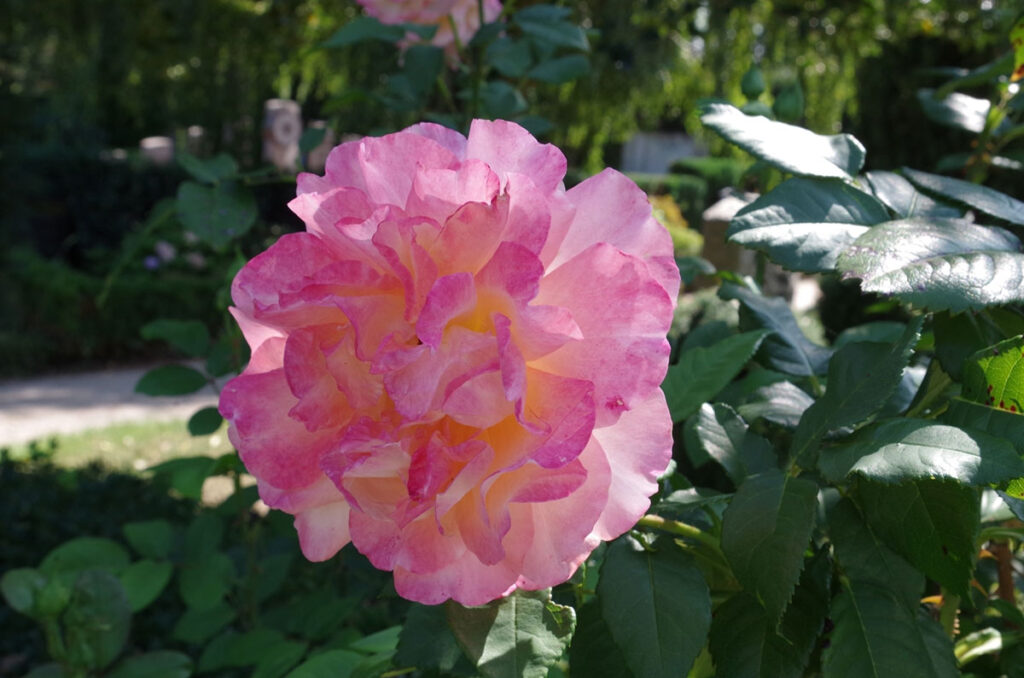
x=32, y=409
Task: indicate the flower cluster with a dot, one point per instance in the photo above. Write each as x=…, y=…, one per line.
x=453, y=18
x=457, y=365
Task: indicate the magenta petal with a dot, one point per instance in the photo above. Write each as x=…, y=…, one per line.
x=450, y=297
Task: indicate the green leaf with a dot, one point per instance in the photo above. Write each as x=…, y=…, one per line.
x=311, y=138
x=96, y=620
x=422, y=65
x=240, y=649
x=50, y=670
x=981, y=198
x=204, y=583
x=286, y=654
x=939, y=264
x=593, y=652
x=144, y=580
x=875, y=635
x=187, y=474
x=955, y=110
x=744, y=643
x=426, y=641
x=727, y=439
x=911, y=449
x=765, y=532
x=158, y=664
x=561, y=69
x=379, y=642
x=509, y=57
x=656, y=605
x=787, y=349
x=861, y=377
x=203, y=536
x=702, y=372
x=20, y=588
x=205, y=422
x=270, y=574
x=957, y=337
x=995, y=422
x=85, y=553
x=216, y=214
x=188, y=336
x=150, y=538
x=865, y=559
x=790, y=148
x=931, y=523
x=210, y=170
x=781, y=403
x=554, y=32
x=362, y=29
x=197, y=626
x=803, y=224
x=330, y=664
x=520, y=635
x=903, y=198
x=985, y=641
x=994, y=376
x=502, y=100
x=170, y=380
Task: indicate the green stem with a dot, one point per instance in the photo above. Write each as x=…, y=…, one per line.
x=679, y=529
x=990, y=533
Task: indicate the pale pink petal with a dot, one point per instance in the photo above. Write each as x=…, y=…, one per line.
x=323, y=530
x=510, y=149
x=451, y=296
x=386, y=167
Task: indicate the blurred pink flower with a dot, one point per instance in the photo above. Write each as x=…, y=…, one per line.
x=441, y=13
x=457, y=365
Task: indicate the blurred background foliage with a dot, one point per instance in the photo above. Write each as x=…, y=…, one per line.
x=80, y=80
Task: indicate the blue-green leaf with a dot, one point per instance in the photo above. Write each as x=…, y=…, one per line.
x=170, y=380
x=989, y=201
x=903, y=198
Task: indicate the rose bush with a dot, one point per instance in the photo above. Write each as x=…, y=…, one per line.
x=457, y=365
x=453, y=18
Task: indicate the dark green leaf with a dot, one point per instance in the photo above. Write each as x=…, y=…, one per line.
x=96, y=620
x=422, y=65
x=50, y=670
x=205, y=421
x=804, y=223
x=875, y=635
x=204, y=583
x=981, y=198
x=187, y=474
x=20, y=588
x=362, y=29
x=556, y=33
x=210, y=170
x=881, y=331
x=593, y=652
x=955, y=110
x=727, y=439
x=188, y=336
x=931, y=523
x=1002, y=425
x=861, y=377
x=144, y=580
x=959, y=336
x=656, y=605
x=787, y=349
x=781, y=403
x=519, y=636
x=378, y=643
x=790, y=148
x=765, y=532
x=911, y=449
x=170, y=380
x=509, y=57
x=330, y=664
x=702, y=372
x=940, y=264
x=197, y=626
x=85, y=553
x=903, y=198
x=543, y=13
x=311, y=138
x=502, y=100
x=149, y=538
x=271, y=573
x=561, y=69
x=744, y=644
x=426, y=641
x=286, y=654
x=216, y=214
x=158, y=664
x=865, y=559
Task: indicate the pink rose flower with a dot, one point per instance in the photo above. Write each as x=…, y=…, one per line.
x=464, y=13
x=456, y=367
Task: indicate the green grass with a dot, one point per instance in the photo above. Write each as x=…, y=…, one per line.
x=130, y=446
